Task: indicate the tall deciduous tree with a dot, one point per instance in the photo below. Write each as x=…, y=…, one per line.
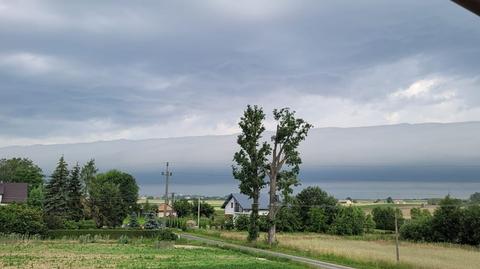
x=285, y=163
x=127, y=185
x=74, y=195
x=21, y=170
x=251, y=161
x=87, y=175
x=55, y=191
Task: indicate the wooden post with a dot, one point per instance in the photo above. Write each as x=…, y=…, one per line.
x=396, y=237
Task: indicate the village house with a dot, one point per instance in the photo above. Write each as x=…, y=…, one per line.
x=166, y=210
x=240, y=204
x=13, y=193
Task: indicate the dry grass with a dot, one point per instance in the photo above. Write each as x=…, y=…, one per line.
x=419, y=255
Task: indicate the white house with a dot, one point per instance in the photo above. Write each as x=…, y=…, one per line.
x=240, y=204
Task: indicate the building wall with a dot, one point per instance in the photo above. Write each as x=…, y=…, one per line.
x=230, y=207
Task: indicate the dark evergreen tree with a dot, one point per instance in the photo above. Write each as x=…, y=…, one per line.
x=55, y=191
x=74, y=195
x=151, y=221
x=133, y=221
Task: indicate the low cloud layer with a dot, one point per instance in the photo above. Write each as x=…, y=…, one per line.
x=89, y=70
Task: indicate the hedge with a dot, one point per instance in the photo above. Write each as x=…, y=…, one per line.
x=162, y=234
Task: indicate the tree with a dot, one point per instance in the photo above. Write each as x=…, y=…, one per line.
x=390, y=200
x=36, y=197
x=288, y=219
x=21, y=219
x=182, y=207
x=21, y=170
x=251, y=161
x=317, y=220
x=74, y=195
x=348, y=221
x=417, y=213
x=107, y=205
x=133, y=221
x=55, y=191
x=369, y=224
x=384, y=217
x=128, y=188
x=475, y=198
x=289, y=133
x=87, y=175
x=446, y=222
x=206, y=209
x=151, y=221
x=314, y=196
x=242, y=222
x=419, y=229
x=470, y=231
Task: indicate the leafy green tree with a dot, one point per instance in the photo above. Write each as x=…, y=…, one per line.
x=470, y=232
x=369, y=224
x=127, y=185
x=36, y=197
x=206, y=209
x=242, y=222
x=74, y=195
x=183, y=207
x=417, y=213
x=475, y=198
x=390, y=200
x=384, y=217
x=55, y=191
x=288, y=219
x=284, y=166
x=251, y=161
x=316, y=197
x=151, y=221
x=447, y=219
x=317, y=220
x=133, y=221
x=87, y=175
x=419, y=229
x=108, y=208
x=21, y=170
x=349, y=220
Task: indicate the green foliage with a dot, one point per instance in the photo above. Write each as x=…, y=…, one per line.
x=124, y=239
x=470, y=232
x=183, y=207
x=151, y=221
x=251, y=161
x=21, y=170
x=229, y=225
x=348, y=221
x=21, y=219
x=446, y=222
x=369, y=224
x=55, y=193
x=126, y=184
x=419, y=229
x=390, y=200
x=87, y=175
x=107, y=205
x=206, y=209
x=133, y=221
x=36, y=197
x=74, y=195
x=317, y=220
x=475, y=198
x=315, y=197
x=384, y=217
x=161, y=234
x=418, y=213
x=242, y=222
x=287, y=220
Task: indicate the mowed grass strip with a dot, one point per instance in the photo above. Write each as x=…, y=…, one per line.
x=412, y=255
x=71, y=254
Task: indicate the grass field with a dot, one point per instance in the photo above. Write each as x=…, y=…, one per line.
x=110, y=254
x=215, y=203
x=373, y=251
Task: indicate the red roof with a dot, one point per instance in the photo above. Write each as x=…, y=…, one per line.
x=13, y=192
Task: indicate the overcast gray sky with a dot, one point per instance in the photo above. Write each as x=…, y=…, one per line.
x=75, y=71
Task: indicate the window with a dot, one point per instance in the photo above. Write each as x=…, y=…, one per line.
x=231, y=205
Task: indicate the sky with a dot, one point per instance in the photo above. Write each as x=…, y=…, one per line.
x=79, y=71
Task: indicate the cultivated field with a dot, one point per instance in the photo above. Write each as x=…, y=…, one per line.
x=110, y=254
x=370, y=249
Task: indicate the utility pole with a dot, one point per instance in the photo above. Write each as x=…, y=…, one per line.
x=198, y=213
x=167, y=174
x=396, y=237
x=171, y=208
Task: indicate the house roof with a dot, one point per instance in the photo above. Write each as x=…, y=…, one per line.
x=246, y=202
x=13, y=192
x=163, y=206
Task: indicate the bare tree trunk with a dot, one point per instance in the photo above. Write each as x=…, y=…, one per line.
x=253, y=229
x=272, y=208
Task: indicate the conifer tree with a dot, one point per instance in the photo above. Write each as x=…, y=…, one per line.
x=74, y=195
x=151, y=221
x=55, y=191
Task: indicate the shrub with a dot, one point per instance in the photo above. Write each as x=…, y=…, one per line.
x=124, y=239
x=86, y=224
x=470, y=231
x=369, y=224
x=70, y=224
x=317, y=220
x=166, y=235
x=242, y=222
x=229, y=223
x=287, y=220
x=151, y=221
x=21, y=219
x=419, y=229
x=105, y=233
x=384, y=217
x=348, y=221
x=133, y=221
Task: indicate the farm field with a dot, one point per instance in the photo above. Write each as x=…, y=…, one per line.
x=368, y=205
x=373, y=249
x=110, y=254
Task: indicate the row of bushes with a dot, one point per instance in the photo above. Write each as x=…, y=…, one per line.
x=450, y=223
x=161, y=234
